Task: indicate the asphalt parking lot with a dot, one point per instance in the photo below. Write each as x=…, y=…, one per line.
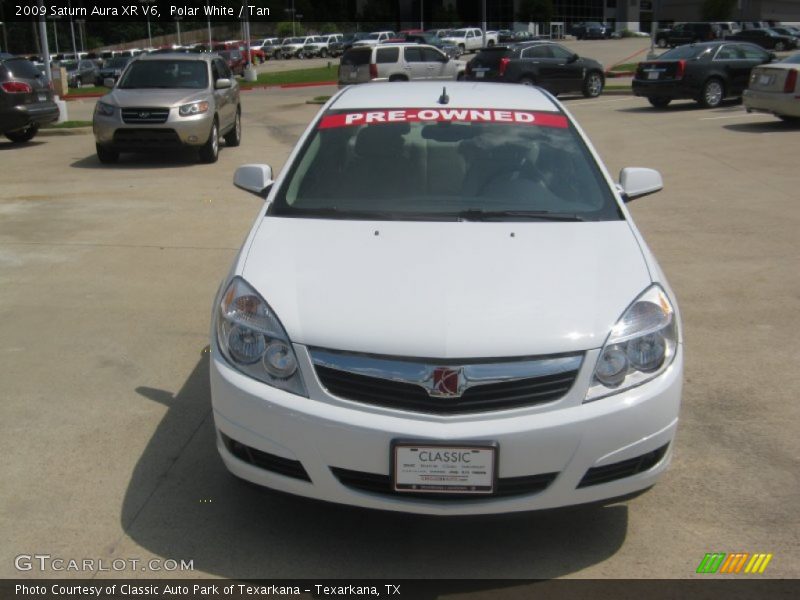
x=107, y=274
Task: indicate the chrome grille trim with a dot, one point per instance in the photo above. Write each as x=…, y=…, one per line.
x=145, y=115
x=409, y=384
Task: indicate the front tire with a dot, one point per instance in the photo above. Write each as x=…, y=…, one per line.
x=780, y=47
x=662, y=43
x=107, y=156
x=592, y=85
x=234, y=137
x=659, y=101
x=23, y=135
x=713, y=93
x=209, y=153
x=323, y=53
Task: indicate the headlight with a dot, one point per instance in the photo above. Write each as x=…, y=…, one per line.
x=104, y=109
x=640, y=346
x=195, y=108
x=253, y=340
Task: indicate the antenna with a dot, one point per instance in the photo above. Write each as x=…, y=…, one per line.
x=444, y=98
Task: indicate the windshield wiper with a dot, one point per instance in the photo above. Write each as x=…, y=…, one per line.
x=476, y=214
x=333, y=212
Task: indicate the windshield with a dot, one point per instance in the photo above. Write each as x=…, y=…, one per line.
x=372, y=36
x=794, y=60
x=684, y=52
x=451, y=164
x=294, y=40
x=169, y=74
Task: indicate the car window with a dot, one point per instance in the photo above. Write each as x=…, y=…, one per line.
x=685, y=52
x=413, y=54
x=728, y=52
x=438, y=163
x=168, y=74
x=751, y=52
x=215, y=72
x=537, y=52
x=19, y=67
x=387, y=55
x=559, y=52
x=432, y=55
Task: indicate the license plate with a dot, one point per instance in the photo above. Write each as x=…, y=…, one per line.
x=444, y=469
x=478, y=74
x=652, y=74
x=765, y=80
x=42, y=97
x=353, y=74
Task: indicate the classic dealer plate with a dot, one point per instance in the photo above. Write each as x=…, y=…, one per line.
x=451, y=468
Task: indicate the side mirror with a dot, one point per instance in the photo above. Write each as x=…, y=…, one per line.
x=222, y=84
x=773, y=56
x=637, y=181
x=108, y=82
x=253, y=178
x=573, y=58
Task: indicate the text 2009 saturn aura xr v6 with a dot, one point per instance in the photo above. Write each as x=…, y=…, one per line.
x=445, y=308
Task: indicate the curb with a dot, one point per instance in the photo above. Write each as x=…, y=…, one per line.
x=57, y=132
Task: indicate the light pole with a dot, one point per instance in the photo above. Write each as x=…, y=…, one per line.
x=178, y=29
x=422, y=14
x=80, y=23
x=55, y=35
x=72, y=32
x=210, y=44
x=45, y=46
x=149, y=37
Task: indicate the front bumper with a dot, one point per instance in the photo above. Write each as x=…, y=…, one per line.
x=177, y=131
x=23, y=115
x=776, y=103
x=302, y=445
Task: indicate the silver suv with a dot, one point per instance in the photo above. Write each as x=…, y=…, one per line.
x=398, y=62
x=165, y=101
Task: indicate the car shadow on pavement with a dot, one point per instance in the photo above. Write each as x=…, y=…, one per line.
x=6, y=145
x=181, y=503
x=675, y=107
x=151, y=160
x=775, y=126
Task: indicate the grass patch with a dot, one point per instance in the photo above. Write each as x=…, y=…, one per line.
x=298, y=76
x=318, y=100
x=68, y=125
x=625, y=67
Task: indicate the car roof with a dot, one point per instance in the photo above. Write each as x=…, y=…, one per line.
x=178, y=56
x=426, y=94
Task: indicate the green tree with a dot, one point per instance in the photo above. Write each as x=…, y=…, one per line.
x=284, y=29
x=717, y=10
x=535, y=11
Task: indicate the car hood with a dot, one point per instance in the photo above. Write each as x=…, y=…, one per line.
x=446, y=290
x=153, y=97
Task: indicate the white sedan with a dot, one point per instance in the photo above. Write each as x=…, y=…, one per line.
x=774, y=89
x=445, y=308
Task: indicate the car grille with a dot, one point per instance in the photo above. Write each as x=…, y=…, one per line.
x=145, y=115
x=625, y=468
x=263, y=460
x=160, y=138
x=480, y=398
x=382, y=484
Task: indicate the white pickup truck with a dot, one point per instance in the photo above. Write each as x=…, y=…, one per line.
x=470, y=39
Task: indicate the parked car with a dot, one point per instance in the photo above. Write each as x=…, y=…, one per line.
x=268, y=46
x=169, y=101
x=375, y=38
x=707, y=73
x=112, y=68
x=789, y=31
x=344, y=383
x=80, y=72
x=234, y=59
x=321, y=44
x=727, y=28
x=546, y=64
x=293, y=47
x=687, y=33
x=470, y=39
x=26, y=100
x=592, y=30
x=450, y=50
x=397, y=62
x=774, y=89
x=340, y=47
x=766, y=38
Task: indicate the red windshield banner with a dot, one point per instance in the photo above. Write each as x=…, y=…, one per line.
x=465, y=115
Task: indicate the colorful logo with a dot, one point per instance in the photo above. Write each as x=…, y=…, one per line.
x=447, y=383
x=737, y=562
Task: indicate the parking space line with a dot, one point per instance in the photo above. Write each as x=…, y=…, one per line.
x=736, y=116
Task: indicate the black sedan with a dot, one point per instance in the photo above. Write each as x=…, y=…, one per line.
x=545, y=64
x=707, y=73
x=766, y=38
x=26, y=100
x=112, y=68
